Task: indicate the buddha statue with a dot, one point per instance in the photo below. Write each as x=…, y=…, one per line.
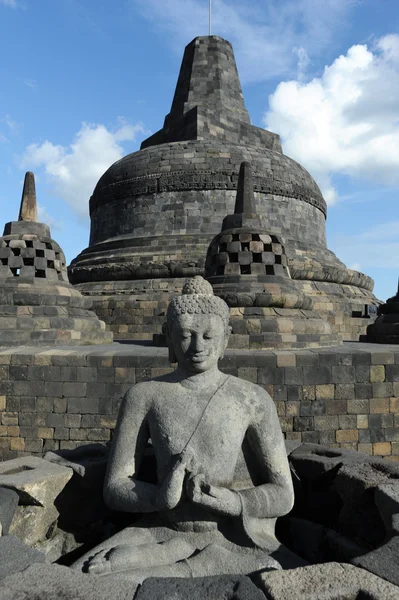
x=222, y=474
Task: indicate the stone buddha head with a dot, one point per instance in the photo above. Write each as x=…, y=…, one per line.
x=197, y=327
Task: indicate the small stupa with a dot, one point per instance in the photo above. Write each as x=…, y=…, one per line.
x=385, y=330
x=247, y=267
x=38, y=305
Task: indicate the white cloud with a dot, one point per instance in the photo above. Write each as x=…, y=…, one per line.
x=44, y=217
x=347, y=120
x=355, y=266
x=11, y=124
x=380, y=232
x=74, y=170
x=270, y=39
x=11, y=3
x=30, y=83
x=303, y=62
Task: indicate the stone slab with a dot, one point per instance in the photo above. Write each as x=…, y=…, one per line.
x=356, y=485
x=383, y=561
x=387, y=501
x=34, y=524
x=8, y=505
x=37, y=482
x=311, y=461
x=54, y=582
x=329, y=581
x=84, y=461
x=81, y=502
x=16, y=556
x=291, y=445
x=228, y=587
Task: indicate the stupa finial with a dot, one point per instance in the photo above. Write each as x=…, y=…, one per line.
x=245, y=202
x=28, y=209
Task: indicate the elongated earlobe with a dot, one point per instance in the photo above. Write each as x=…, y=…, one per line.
x=171, y=355
x=226, y=342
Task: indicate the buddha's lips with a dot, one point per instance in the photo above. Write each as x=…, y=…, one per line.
x=198, y=357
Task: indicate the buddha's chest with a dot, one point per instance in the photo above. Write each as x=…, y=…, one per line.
x=213, y=430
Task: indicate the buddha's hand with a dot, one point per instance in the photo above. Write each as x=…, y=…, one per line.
x=212, y=497
x=171, y=491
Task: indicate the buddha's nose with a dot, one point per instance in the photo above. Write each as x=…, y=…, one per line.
x=198, y=344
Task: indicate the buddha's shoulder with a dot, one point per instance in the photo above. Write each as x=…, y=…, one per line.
x=147, y=390
x=250, y=392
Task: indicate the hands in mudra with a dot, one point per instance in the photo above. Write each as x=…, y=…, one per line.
x=214, y=498
x=185, y=480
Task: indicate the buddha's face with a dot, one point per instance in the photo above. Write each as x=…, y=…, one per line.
x=198, y=341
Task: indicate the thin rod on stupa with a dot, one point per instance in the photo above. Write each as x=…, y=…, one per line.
x=28, y=209
x=210, y=17
x=245, y=201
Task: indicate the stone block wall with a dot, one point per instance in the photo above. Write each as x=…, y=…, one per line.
x=345, y=397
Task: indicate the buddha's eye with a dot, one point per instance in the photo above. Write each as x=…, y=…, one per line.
x=207, y=336
x=185, y=335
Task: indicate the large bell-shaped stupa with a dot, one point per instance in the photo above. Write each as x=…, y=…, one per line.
x=154, y=212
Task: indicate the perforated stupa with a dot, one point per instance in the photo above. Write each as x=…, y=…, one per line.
x=38, y=305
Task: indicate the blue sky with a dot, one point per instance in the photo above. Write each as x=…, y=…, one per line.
x=82, y=82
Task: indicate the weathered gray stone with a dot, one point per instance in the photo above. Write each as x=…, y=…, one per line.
x=356, y=485
x=33, y=524
x=86, y=461
x=240, y=273
x=209, y=432
x=385, y=330
x=291, y=445
x=305, y=538
x=28, y=209
x=228, y=587
x=383, y=561
x=53, y=582
x=81, y=502
x=33, y=275
x=339, y=548
x=8, y=505
x=330, y=581
x=387, y=501
x=56, y=546
x=37, y=482
x=311, y=461
x=16, y=556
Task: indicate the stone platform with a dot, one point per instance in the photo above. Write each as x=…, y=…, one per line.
x=136, y=309
x=339, y=542
x=345, y=396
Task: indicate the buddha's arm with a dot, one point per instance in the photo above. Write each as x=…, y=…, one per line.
x=275, y=497
x=122, y=491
